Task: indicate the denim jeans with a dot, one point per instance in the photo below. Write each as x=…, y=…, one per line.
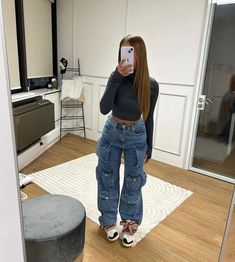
x=115, y=139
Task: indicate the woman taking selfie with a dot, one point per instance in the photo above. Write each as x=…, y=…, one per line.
x=131, y=95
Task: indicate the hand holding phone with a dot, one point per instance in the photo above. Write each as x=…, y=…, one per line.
x=127, y=55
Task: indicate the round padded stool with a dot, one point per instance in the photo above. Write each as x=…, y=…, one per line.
x=54, y=228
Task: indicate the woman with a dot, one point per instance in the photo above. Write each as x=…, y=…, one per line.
x=129, y=130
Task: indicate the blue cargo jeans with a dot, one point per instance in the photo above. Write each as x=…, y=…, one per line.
x=115, y=139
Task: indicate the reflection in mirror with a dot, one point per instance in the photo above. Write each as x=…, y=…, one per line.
x=215, y=143
x=38, y=37
x=11, y=42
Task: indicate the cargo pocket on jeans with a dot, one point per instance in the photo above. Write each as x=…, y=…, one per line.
x=140, y=155
x=129, y=205
x=107, y=203
x=133, y=183
x=103, y=150
x=105, y=177
x=103, y=153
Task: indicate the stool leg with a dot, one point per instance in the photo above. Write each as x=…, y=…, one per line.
x=83, y=119
x=60, y=119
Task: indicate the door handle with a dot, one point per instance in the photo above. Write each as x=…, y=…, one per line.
x=202, y=101
x=207, y=101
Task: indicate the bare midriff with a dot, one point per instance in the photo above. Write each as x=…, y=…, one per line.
x=124, y=122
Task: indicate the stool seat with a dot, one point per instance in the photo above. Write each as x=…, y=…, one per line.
x=54, y=228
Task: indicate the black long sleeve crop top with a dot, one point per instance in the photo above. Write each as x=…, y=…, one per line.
x=120, y=96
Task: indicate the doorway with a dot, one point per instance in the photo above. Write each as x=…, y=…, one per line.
x=214, y=151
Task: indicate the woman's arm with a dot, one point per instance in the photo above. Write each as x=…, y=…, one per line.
x=149, y=121
x=107, y=101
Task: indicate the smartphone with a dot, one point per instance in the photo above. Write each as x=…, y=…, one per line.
x=127, y=53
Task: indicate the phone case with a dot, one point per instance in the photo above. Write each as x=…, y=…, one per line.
x=127, y=52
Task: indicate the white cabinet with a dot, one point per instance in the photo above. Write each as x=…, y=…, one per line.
x=55, y=99
x=53, y=135
x=50, y=138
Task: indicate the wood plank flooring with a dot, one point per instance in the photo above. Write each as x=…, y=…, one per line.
x=193, y=232
x=229, y=247
x=227, y=167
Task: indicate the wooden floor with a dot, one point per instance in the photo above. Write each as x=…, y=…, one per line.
x=193, y=232
x=227, y=167
x=229, y=247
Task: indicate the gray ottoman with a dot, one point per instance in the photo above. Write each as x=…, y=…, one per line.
x=54, y=228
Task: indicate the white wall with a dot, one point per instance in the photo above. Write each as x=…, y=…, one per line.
x=11, y=243
x=99, y=26
x=172, y=31
x=65, y=29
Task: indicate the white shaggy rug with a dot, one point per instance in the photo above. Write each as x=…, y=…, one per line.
x=77, y=179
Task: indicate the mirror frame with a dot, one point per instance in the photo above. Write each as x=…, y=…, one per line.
x=20, y=30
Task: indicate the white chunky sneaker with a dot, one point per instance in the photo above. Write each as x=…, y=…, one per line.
x=111, y=232
x=129, y=229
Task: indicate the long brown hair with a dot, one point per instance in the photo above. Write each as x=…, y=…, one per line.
x=142, y=80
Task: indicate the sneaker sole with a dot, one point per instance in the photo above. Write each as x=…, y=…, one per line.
x=127, y=245
x=113, y=239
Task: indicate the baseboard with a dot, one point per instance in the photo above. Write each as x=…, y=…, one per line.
x=36, y=150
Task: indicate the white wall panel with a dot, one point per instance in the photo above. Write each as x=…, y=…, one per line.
x=88, y=92
x=94, y=120
x=99, y=26
x=172, y=119
x=170, y=122
x=172, y=32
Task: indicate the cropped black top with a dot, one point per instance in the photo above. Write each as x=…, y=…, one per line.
x=120, y=96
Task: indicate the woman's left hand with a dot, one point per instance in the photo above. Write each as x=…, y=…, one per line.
x=146, y=159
